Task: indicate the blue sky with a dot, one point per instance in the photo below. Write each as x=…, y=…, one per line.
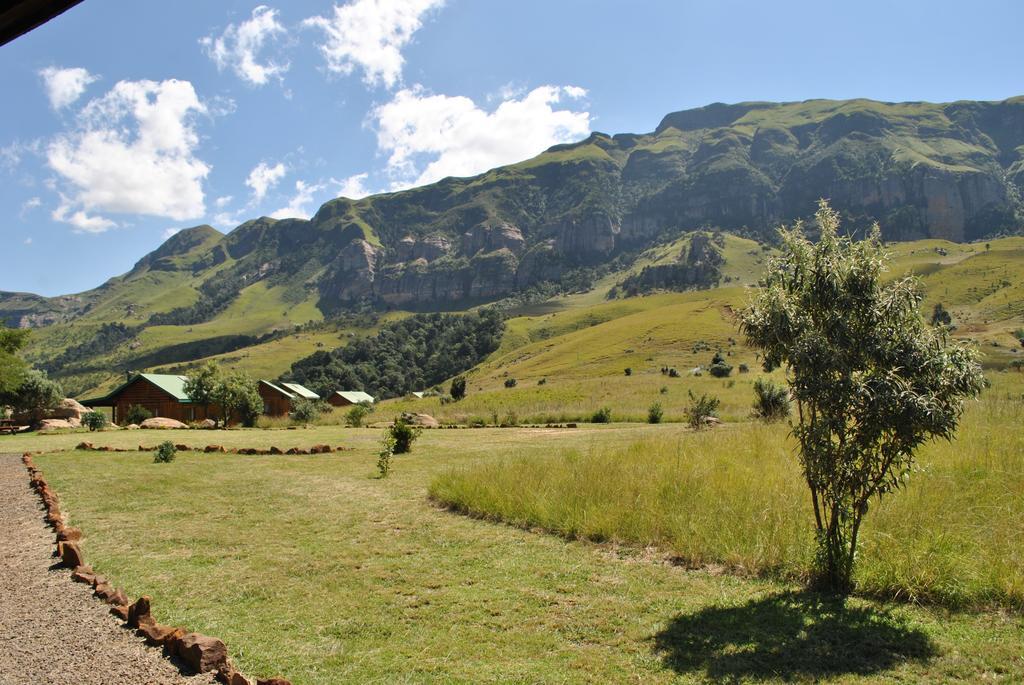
x=124, y=121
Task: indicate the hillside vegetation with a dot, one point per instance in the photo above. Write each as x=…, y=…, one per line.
x=606, y=212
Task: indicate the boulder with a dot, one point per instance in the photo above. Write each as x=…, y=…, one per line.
x=161, y=422
x=120, y=610
x=202, y=653
x=205, y=424
x=69, y=409
x=320, y=449
x=214, y=448
x=275, y=450
x=59, y=424
x=132, y=427
x=425, y=420
x=84, y=446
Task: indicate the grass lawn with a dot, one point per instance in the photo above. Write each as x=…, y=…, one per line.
x=311, y=567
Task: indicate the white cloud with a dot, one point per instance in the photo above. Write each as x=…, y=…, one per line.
x=451, y=136
x=353, y=187
x=28, y=205
x=223, y=201
x=264, y=177
x=170, y=232
x=132, y=151
x=64, y=86
x=238, y=47
x=369, y=35
x=297, y=206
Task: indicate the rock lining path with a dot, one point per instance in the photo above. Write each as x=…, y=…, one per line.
x=51, y=629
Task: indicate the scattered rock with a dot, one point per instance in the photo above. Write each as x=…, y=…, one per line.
x=182, y=448
x=274, y=681
x=132, y=427
x=84, y=446
x=214, y=448
x=206, y=424
x=202, y=653
x=276, y=450
x=70, y=554
x=161, y=422
x=69, y=534
x=83, y=574
x=138, y=611
x=120, y=610
x=320, y=449
x=156, y=634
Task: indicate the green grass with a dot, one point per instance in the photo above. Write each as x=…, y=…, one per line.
x=310, y=567
x=735, y=497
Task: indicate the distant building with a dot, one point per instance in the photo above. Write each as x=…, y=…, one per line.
x=161, y=394
x=344, y=398
x=278, y=397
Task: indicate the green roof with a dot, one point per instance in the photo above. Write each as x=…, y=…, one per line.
x=172, y=385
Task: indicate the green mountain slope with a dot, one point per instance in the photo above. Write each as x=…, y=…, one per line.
x=598, y=211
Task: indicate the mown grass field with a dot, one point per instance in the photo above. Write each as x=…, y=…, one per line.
x=311, y=567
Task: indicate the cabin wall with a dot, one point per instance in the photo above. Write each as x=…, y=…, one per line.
x=274, y=403
x=160, y=403
x=338, y=401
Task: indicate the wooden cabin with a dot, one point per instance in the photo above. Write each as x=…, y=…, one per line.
x=161, y=394
x=345, y=398
x=278, y=397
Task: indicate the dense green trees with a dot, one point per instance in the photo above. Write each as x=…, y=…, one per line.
x=871, y=379
x=235, y=395
x=12, y=367
x=414, y=353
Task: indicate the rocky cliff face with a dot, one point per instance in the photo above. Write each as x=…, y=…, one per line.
x=952, y=171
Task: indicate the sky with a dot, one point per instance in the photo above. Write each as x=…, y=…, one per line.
x=125, y=121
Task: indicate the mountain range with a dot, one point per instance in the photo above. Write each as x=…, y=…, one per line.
x=921, y=170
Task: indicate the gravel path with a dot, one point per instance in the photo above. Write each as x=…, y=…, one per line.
x=51, y=629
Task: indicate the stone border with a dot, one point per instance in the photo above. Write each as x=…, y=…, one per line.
x=315, y=449
x=200, y=652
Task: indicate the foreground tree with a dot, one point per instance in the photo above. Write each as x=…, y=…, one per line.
x=201, y=385
x=237, y=395
x=36, y=395
x=12, y=367
x=870, y=379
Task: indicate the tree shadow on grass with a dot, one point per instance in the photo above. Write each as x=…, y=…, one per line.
x=793, y=636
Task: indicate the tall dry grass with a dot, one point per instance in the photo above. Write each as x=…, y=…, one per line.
x=735, y=496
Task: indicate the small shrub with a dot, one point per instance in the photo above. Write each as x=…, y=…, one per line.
x=629, y=371
x=510, y=382
x=664, y=390
x=744, y=368
x=771, y=401
x=94, y=420
x=719, y=367
x=701, y=409
x=511, y=419
x=458, y=389
x=672, y=373
x=306, y=411
x=354, y=417
x=654, y=413
x=544, y=381
x=602, y=415
x=165, y=453
x=137, y=414
x=387, y=450
x=404, y=434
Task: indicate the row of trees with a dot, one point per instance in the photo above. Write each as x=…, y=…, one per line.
x=414, y=353
x=233, y=395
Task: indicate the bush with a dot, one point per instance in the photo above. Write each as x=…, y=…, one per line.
x=701, y=409
x=306, y=411
x=511, y=419
x=94, y=420
x=720, y=370
x=137, y=414
x=654, y=413
x=510, y=382
x=744, y=368
x=602, y=415
x=354, y=417
x=165, y=453
x=544, y=381
x=672, y=373
x=664, y=390
x=404, y=434
x=771, y=401
x=387, y=450
x=629, y=371
x=458, y=389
